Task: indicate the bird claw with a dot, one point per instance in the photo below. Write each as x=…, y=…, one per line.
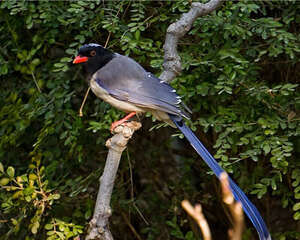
x=116, y=124
x=121, y=121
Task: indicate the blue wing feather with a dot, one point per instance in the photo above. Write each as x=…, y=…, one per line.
x=139, y=87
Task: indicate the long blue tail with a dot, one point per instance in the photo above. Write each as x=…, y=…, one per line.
x=238, y=194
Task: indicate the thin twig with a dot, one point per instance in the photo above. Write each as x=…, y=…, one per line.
x=83, y=102
x=235, y=208
x=197, y=215
x=107, y=40
x=132, y=192
x=130, y=226
x=35, y=81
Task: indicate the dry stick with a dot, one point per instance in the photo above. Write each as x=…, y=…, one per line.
x=132, y=193
x=196, y=213
x=35, y=81
x=108, y=37
x=130, y=226
x=235, y=208
x=83, y=102
x=99, y=225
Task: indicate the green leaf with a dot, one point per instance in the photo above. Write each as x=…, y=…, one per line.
x=61, y=235
x=10, y=171
x=32, y=176
x=296, y=206
x=56, y=196
x=35, y=227
x=27, y=198
x=66, y=59
x=59, y=65
x=49, y=226
x=297, y=195
x=36, y=62
x=1, y=168
x=49, y=233
x=137, y=35
x=266, y=148
x=4, y=181
x=297, y=216
x=28, y=191
x=189, y=236
x=14, y=221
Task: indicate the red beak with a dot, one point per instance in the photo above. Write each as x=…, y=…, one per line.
x=80, y=59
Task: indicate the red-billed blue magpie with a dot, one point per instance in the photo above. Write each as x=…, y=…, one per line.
x=126, y=85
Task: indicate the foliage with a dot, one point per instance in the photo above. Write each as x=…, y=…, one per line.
x=240, y=72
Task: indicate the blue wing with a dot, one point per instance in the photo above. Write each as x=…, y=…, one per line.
x=139, y=87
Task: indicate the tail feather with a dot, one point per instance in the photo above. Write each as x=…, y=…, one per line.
x=239, y=195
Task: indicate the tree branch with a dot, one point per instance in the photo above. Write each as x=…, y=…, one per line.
x=235, y=208
x=196, y=213
x=172, y=61
x=99, y=225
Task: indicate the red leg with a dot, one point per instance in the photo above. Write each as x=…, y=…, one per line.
x=121, y=121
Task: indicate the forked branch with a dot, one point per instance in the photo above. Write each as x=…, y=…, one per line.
x=235, y=209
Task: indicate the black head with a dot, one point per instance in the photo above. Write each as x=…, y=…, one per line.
x=93, y=56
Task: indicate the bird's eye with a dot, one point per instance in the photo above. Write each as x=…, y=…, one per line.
x=93, y=53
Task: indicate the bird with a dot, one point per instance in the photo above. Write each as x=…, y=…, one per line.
x=126, y=85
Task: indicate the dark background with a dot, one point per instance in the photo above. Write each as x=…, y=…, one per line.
x=240, y=77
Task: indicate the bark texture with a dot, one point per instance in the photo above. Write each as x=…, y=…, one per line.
x=99, y=225
x=172, y=61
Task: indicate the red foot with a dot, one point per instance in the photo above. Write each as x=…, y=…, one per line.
x=121, y=121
